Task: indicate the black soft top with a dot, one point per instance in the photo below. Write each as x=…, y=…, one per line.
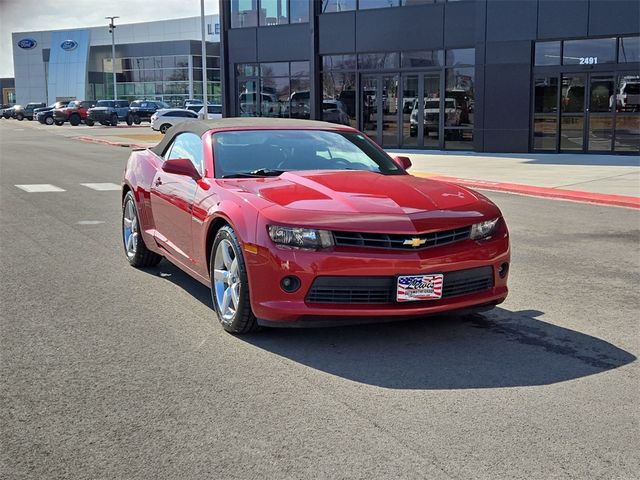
x=199, y=127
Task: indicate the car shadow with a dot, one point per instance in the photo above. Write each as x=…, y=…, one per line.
x=495, y=349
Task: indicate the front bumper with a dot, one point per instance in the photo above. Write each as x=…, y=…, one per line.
x=103, y=116
x=272, y=305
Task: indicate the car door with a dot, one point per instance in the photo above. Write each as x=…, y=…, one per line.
x=172, y=199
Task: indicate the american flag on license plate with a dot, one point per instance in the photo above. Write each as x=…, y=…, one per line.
x=419, y=287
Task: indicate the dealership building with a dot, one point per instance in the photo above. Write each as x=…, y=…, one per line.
x=480, y=75
x=154, y=60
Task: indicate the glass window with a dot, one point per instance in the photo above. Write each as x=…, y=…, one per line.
x=247, y=69
x=573, y=93
x=378, y=60
x=629, y=50
x=274, y=97
x=546, y=95
x=213, y=75
x=188, y=145
x=340, y=86
x=409, y=3
x=431, y=58
x=213, y=62
x=244, y=13
x=273, y=12
x=548, y=53
x=299, y=69
x=299, y=11
x=458, y=139
x=329, y=6
x=628, y=93
x=275, y=69
x=589, y=52
x=339, y=62
x=300, y=98
x=459, y=97
x=367, y=4
x=175, y=74
x=461, y=56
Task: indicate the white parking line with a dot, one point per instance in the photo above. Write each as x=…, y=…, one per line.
x=40, y=187
x=102, y=187
x=90, y=222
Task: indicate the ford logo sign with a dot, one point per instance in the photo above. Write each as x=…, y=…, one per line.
x=68, y=45
x=27, y=43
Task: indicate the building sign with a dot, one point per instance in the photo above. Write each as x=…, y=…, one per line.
x=69, y=45
x=27, y=43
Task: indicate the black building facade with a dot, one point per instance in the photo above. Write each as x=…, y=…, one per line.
x=483, y=75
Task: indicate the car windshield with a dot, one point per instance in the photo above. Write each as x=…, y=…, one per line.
x=256, y=153
x=105, y=103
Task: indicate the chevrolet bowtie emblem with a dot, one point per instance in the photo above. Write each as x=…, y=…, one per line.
x=415, y=242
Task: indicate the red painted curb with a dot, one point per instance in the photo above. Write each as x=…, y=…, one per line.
x=108, y=142
x=546, y=192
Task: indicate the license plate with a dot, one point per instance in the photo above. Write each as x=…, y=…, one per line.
x=410, y=288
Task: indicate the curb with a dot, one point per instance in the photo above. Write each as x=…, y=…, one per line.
x=108, y=142
x=544, y=192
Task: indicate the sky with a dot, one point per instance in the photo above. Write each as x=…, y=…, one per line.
x=35, y=15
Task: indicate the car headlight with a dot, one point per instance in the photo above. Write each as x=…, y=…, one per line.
x=297, y=237
x=483, y=229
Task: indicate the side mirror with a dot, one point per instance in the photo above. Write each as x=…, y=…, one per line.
x=181, y=166
x=404, y=162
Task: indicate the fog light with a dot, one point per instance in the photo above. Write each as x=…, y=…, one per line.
x=502, y=271
x=290, y=284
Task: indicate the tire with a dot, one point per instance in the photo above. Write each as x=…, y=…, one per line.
x=59, y=123
x=19, y=117
x=136, y=251
x=136, y=119
x=74, y=119
x=228, y=281
x=164, y=127
x=89, y=122
x=129, y=120
x=114, y=120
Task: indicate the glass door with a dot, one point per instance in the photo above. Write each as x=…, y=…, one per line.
x=390, y=112
x=600, y=113
x=572, y=121
x=626, y=99
x=369, y=107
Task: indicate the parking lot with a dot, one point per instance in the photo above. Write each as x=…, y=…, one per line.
x=112, y=372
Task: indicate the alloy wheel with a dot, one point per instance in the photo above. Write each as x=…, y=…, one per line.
x=226, y=280
x=130, y=229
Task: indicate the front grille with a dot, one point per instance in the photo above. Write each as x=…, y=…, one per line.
x=382, y=290
x=394, y=241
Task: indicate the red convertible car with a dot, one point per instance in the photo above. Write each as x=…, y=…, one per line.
x=296, y=222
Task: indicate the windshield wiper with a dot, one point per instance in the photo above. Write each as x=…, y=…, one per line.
x=260, y=172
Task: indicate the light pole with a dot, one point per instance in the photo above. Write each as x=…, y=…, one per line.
x=112, y=27
x=205, y=103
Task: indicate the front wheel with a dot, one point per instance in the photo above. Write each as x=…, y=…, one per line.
x=89, y=122
x=19, y=117
x=48, y=120
x=129, y=120
x=164, y=127
x=230, y=284
x=138, y=254
x=114, y=120
x=74, y=120
x=136, y=119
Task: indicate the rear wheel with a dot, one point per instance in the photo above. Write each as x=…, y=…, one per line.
x=137, y=252
x=230, y=284
x=164, y=127
x=89, y=122
x=48, y=120
x=19, y=116
x=136, y=119
x=74, y=119
x=129, y=120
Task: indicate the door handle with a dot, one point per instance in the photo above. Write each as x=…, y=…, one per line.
x=158, y=182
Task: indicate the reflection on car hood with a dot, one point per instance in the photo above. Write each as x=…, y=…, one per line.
x=349, y=197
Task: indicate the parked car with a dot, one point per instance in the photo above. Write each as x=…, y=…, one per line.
x=335, y=111
x=164, y=119
x=432, y=115
x=628, y=98
x=45, y=115
x=3, y=109
x=214, y=111
x=109, y=112
x=142, y=110
x=297, y=222
x=27, y=112
x=9, y=112
x=74, y=113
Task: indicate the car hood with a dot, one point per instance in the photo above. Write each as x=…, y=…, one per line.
x=366, y=200
x=100, y=109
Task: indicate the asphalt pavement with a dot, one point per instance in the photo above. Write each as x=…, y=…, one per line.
x=111, y=372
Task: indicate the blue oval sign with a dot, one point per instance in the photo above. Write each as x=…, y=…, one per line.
x=68, y=45
x=27, y=43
